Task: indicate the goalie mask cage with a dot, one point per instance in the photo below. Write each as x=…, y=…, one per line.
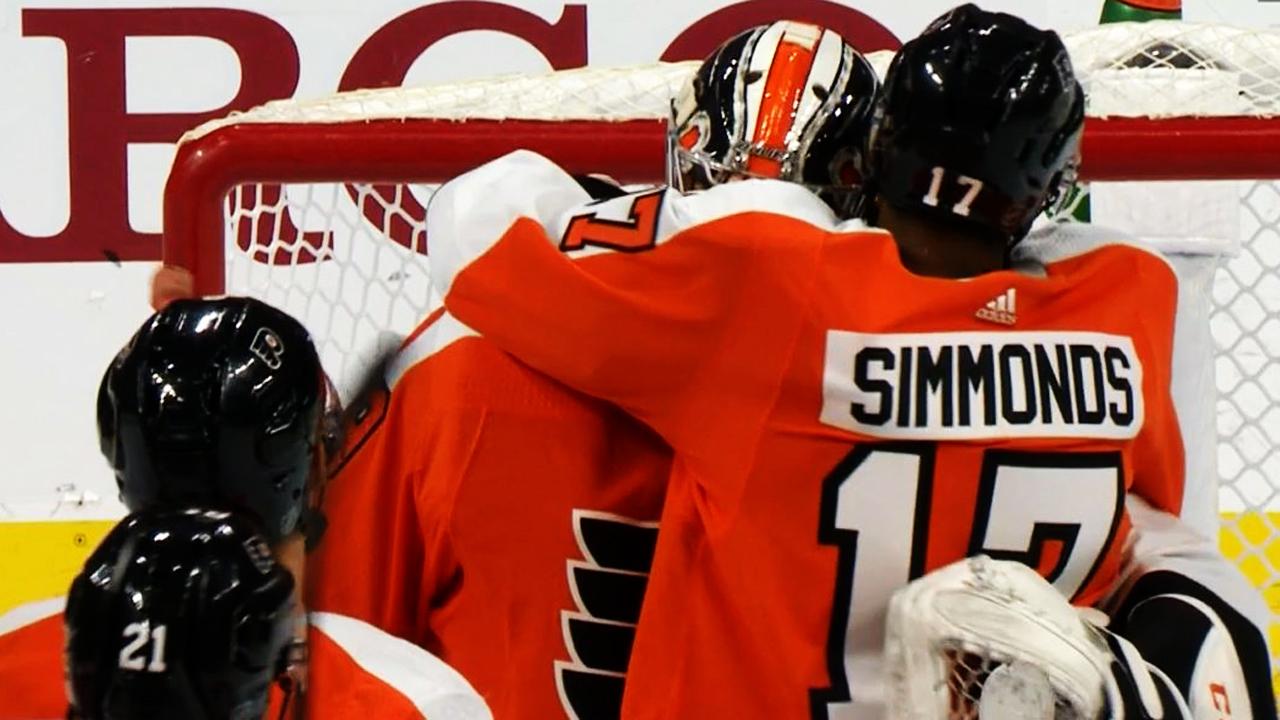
x=318, y=207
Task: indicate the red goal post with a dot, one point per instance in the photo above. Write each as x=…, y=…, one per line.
x=317, y=206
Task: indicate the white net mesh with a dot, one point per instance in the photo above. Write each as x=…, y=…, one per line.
x=968, y=673
x=968, y=691
x=358, y=281
x=1173, y=69
x=349, y=259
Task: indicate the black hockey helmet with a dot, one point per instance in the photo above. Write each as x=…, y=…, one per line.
x=219, y=403
x=787, y=100
x=178, y=614
x=978, y=124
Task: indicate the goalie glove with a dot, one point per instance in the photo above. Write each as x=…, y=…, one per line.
x=951, y=631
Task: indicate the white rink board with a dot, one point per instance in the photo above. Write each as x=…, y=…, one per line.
x=63, y=320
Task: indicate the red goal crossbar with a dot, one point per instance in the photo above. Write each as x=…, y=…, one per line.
x=206, y=168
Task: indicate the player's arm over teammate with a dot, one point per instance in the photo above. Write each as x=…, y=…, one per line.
x=591, y=265
x=634, y=302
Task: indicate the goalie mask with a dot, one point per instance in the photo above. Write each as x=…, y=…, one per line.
x=979, y=123
x=787, y=101
x=220, y=403
x=178, y=614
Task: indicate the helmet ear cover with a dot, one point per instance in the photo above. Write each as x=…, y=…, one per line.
x=722, y=127
x=221, y=403
x=979, y=124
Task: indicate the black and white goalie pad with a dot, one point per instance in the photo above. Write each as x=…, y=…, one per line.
x=991, y=639
x=1193, y=615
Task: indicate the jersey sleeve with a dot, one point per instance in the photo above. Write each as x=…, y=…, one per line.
x=644, y=300
x=1160, y=456
x=356, y=670
x=1159, y=472
x=31, y=665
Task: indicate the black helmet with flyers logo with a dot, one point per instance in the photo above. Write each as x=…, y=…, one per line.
x=787, y=100
x=978, y=124
x=219, y=403
x=178, y=614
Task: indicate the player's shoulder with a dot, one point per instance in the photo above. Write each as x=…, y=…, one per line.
x=31, y=642
x=33, y=617
x=752, y=199
x=446, y=366
x=1096, y=249
x=469, y=214
x=436, y=335
x=393, y=666
x=762, y=210
x=526, y=184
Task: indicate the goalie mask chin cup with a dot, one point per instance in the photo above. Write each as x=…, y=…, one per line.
x=783, y=101
x=207, y=611
x=978, y=125
x=219, y=403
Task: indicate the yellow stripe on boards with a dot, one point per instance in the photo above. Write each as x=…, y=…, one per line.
x=1251, y=540
x=39, y=559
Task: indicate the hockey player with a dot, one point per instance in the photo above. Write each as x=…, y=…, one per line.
x=928, y=177
x=221, y=403
x=187, y=613
x=517, y=517
x=851, y=410
x=485, y=485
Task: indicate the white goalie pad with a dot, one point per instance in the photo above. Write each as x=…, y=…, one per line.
x=948, y=632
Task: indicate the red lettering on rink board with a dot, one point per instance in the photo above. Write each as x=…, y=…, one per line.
x=383, y=61
x=700, y=38
x=385, y=58
x=100, y=128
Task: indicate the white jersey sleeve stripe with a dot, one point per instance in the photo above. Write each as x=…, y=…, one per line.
x=470, y=214
x=30, y=614
x=442, y=333
x=438, y=691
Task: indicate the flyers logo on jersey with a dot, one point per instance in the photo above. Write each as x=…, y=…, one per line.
x=638, y=232
x=607, y=587
x=967, y=385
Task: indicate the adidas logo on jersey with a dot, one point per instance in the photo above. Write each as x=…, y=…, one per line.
x=1002, y=309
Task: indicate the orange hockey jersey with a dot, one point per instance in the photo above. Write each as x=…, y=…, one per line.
x=354, y=671
x=840, y=425
x=500, y=520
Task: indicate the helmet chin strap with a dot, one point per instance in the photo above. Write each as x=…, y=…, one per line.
x=291, y=678
x=314, y=524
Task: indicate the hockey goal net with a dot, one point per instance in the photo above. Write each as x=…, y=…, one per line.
x=318, y=207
